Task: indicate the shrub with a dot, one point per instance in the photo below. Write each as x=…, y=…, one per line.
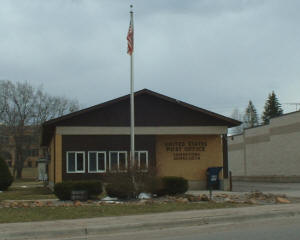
x=173, y=185
x=6, y=178
x=151, y=184
x=63, y=190
x=121, y=189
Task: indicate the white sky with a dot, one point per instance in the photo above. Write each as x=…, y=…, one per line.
x=216, y=54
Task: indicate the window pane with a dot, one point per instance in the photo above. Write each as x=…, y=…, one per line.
x=143, y=161
x=114, y=161
x=122, y=161
x=92, y=162
x=79, y=161
x=136, y=156
x=101, y=162
x=71, y=162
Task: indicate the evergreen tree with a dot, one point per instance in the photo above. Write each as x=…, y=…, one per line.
x=272, y=108
x=6, y=178
x=250, y=117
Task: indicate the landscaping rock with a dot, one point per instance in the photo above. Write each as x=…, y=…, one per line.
x=25, y=205
x=182, y=200
x=141, y=202
x=39, y=204
x=251, y=201
x=77, y=203
x=282, y=200
x=204, y=197
x=14, y=204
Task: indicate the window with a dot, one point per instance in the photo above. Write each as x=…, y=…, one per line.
x=142, y=160
x=118, y=161
x=75, y=162
x=97, y=162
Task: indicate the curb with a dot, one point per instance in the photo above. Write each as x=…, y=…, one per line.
x=193, y=221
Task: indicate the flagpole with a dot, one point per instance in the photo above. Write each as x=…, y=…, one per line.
x=132, y=144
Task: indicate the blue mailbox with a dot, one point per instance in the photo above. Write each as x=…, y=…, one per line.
x=213, y=181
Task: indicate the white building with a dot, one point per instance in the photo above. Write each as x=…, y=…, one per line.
x=269, y=152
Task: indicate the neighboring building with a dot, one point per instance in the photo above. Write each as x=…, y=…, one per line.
x=173, y=137
x=8, y=149
x=269, y=152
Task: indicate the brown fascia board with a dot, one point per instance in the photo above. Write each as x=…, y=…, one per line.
x=231, y=122
x=228, y=121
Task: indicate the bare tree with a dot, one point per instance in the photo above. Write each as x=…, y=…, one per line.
x=237, y=115
x=23, y=110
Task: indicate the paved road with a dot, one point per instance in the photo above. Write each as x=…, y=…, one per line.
x=290, y=189
x=276, y=229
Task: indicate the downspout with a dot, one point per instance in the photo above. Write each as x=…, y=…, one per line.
x=54, y=158
x=244, y=152
x=225, y=156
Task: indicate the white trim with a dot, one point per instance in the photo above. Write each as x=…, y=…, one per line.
x=190, y=130
x=97, y=167
x=118, y=160
x=139, y=160
x=67, y=158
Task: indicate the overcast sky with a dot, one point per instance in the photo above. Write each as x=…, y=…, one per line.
x=216, y=54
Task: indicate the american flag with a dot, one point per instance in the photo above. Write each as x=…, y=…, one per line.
x=130, y=38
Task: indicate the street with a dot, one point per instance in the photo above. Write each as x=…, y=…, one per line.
x=279, y=228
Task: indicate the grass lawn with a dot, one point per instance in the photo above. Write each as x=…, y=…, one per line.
x=8, y=215
x=28, y=174
x=32, y=191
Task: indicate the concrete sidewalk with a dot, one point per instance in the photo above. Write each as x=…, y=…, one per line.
x=289, y=189
x=94, y=226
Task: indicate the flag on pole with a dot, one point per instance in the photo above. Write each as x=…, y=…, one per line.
x=130, y=38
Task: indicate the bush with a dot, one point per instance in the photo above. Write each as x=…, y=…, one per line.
x=6, y=178
x=121, y=186
x=63, y=190
x=173, y=185
x=121, y=189
x=151, y=184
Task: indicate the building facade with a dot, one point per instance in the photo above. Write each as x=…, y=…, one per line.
x=172, y=137
x=269, y=152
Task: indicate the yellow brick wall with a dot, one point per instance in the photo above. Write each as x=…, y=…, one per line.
x=51, y=164
x=58, y=158
x=170, y=147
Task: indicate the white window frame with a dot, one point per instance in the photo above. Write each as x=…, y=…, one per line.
x=126, y=161
x=139, y=160
x=97, y=169
x=76, y=152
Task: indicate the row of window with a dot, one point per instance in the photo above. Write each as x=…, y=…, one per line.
x=118, y=161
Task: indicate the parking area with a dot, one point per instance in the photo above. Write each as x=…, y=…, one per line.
x=290, y=189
